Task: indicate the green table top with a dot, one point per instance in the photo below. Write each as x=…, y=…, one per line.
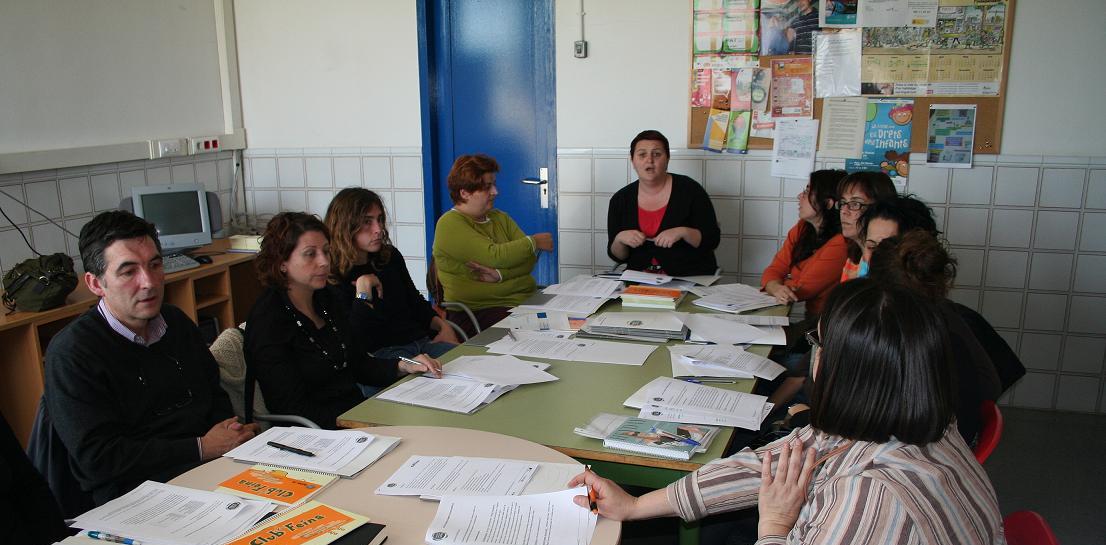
x=546, y=413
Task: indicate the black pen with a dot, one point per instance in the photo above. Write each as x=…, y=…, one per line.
x=295, y=450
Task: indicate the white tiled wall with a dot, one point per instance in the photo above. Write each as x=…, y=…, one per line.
x=1029, y=233
x=306, y=179
x=72, y=196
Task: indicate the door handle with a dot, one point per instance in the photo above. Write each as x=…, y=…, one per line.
x=543, y=181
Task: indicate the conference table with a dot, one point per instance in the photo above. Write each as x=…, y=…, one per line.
x=546, y=413
x=408, y=517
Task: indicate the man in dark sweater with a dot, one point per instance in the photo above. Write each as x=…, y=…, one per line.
x=132, y=390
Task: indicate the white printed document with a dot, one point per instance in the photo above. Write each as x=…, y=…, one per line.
x=585, y=285
x=574, y=350
x=675, y=400
x=435, y=476
x=448, y=394
x=504, y=370
x=539, y=519
x=576, y=305
x=542, y=320
x=733, y=298
x=716, y=330
x=721, y=361
x=173, y=515
x=333, y=450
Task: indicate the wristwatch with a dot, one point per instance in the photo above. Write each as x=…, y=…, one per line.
x=363, y=295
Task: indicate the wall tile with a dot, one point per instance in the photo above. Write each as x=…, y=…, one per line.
x=599, y=207
x=183, y=174
x=318, y=201
x=1093, y=236
x=411, y=240
x=968, y=298
x=967, y=226
x=929, y=184
x=1077, y=394
x=1090, y=273
x=15, y=210
x=969, y=266
x=692, y=168
x=12, y=248
x=1050, y=271
x=1045, y=311
x=756, y=254
x=159, y=176
x=130, y=179
x=417, y=268
x=762, y=185
x=407, y=172
x=1010, y=337
x=567, y=273
x=789, y=216
x=1035, y=390
x=722, y=177
x=262, y=171
x=43, y=196
x=1056, y=230
x=729, y=215
x=1062, y=187
x=792, y=187
x=48, y=239
x=225, y=170
x=206, y=175
x=611, y=174
x=1083, y=354
x=1085, y=315
x=1040, y=351
x=575, y=248
x=574, y=212
x=760, y=218
x=728, y=255
x=1002, y=308
x=971, y=186
x=293, y=201
x=1011, y=227
x=319, y=172
x=266, y=202
x=72, y=244
x=599, y=252
x=347, y=172
x=76, y=196
x=377, y=172
x=1096, y=189
x=1016, y=186
x=573, y=174
x=1006, y=269
x=409, y=207
x=939, y=215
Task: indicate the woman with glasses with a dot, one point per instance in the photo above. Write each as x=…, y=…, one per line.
x=483, y=258
x=662, y=223
x=306, y=339
x=881, y=461
x=856, y=193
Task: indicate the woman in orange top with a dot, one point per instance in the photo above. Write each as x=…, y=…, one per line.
x=809, y=264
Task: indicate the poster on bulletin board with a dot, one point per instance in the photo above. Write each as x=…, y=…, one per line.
x=886, y=139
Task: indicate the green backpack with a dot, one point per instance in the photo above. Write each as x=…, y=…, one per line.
x=40, y=283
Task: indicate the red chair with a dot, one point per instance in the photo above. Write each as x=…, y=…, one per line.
x=1028, y=528
x=991, y=432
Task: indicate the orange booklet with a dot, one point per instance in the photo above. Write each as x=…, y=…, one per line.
x=313, y=523
x=653, y=291
x=279, y=485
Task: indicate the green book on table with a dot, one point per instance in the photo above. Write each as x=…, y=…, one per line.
x=662, y=439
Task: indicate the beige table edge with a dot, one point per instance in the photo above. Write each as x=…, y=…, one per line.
x=408, y=518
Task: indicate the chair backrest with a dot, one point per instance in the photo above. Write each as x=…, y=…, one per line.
x=434, y=287
x=1028, y=528
x=229, y=351
x=50, y=457
x=991, y=432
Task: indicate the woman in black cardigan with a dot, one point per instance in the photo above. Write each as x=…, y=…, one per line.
x=663, y=223
x=306, y=341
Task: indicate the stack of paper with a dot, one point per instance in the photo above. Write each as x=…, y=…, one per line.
x=675, y=400
x=338, y=452
x=733, y=298
x=651, y=297
x=522, y=520
x=576, y=305
x=603, y=425
x=469, y=383
x=432, y=477
x=662, y=439
x=732, y=329
x=585, y=285
x=574, y=350
x=174, y=515
x=689, y=361
x=660, y=326
x=543, y=320
x=315, y=523
x=683, y=282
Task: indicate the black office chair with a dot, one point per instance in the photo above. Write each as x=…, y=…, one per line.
x=50, y=457
x=240, y=384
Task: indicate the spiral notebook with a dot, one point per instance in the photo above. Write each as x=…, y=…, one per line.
x=662, y=439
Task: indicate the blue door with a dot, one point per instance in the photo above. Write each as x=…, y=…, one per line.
x=487, y=82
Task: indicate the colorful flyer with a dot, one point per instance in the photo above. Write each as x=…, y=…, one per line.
x=838, y=13
x=739, y=31
x=793, y=88
x=785, y=26
x=707, y=32
x=886, y=139
x=741, y=89
x=313, y=523
x=951, y=135
x=714, y=137
x=721, y=83
x=737, y=137
x=278, y=485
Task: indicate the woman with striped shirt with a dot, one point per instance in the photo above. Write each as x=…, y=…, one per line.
x=881, y=461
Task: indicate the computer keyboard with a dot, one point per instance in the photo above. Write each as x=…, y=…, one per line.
x=178, y=262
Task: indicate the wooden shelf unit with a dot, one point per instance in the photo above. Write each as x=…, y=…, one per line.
x=225, y=289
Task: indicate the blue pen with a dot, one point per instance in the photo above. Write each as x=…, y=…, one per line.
x=691, y=380
x=104, y=536
x=682, y=439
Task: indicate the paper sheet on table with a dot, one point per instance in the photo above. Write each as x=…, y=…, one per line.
x=437, y=476
x=542, y=320
x=675, y=400
x=733, y=298
x=771, y=335
x=837, y=63
x=842, y=133
x=717, y=330
x=574, y=350
x=793, y=148
x=585, y=285
x=577, y=305
x=601, y=425
x=174, y=515
x=447, y=394
x=668, y=281
x=551, y=477
x=334, y=449
x=756, y=319
x=721, y=361
x=498, y=370
x=538, y=519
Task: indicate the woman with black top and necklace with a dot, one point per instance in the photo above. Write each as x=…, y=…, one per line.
x=300, y=338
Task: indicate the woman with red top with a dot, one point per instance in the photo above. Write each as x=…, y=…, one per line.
x=663, y=223
x=809, y=264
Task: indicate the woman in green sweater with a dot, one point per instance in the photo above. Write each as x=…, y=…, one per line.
x=482, y=256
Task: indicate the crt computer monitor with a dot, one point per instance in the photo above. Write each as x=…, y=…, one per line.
x=178, y=211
